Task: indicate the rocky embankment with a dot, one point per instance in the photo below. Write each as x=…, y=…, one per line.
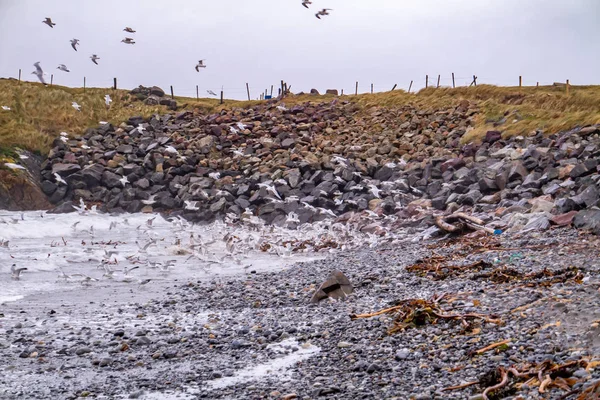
x=324, y=160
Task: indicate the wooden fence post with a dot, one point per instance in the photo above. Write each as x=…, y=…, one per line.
x=19, y=75
x=281, y=92
x=438, y=84
x=371, y=88
x=395, y=84
x=271, y=91
x=342, y=92
x=410, y=86
x=172, y=95
x=51, y=79
x=356, y=90
x=115, y=84
x=520, y=81
x=453, y=82
x=197, y=93
x=84, y=84
x=568, y=87
x=426, y=81
x=248, y=90
x=537, y=84
x=221, y=97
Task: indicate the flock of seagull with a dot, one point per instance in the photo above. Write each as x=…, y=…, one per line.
x=321, y=13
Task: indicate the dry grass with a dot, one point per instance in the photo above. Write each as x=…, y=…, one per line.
x=38, y=114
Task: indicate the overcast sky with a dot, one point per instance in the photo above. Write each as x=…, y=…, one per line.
x=383, y=42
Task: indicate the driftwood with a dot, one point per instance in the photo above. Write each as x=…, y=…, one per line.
x=459, y=221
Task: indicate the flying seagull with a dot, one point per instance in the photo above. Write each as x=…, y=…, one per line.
x=128, y=40
x=76, y=106
x=200, y=65
x=63, y=67
x=59, y=179
x=48, y=21
x=128, y=29
x=6, y=108
x=305, y=3
x=74, y=43
x=324, y=11
x=16, y=272
x=211, y=92
x=94, y=58
x=107, y=100
x=39, y=72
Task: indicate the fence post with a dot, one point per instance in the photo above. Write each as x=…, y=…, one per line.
x=395, y=84
x=410, y=87
x=371, y=88
x=51, y=79
x=568, y=87
x=342, y=92
x=19, y=75
x=281, y=92
x=474, y=81
x=248, y=90
x=537, y=84
x=438, y=84
x=84, y=84
x=520, y=81
x=197, y=94
x=115, y=85
x=221, y=97
x=426, y=81
x=271, y=91
x=453, y=83
x=356, y=90
x=172, y=95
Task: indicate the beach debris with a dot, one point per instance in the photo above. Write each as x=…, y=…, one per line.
x=337, y=286
x=459, y=222
x=412, y=313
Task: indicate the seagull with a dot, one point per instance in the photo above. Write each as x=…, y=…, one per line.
x=39, y=72
x=191, y=205
x=128, y=40
x=48, y=21
x=76, y=106
x=171, y=149
x=59, y=179
x=270, y=188
x=323, y=12
x=200, y=65
x=63, y=67
x=241, y=126
x=141, y=128
x=16, y=272
x=81, y=210
x=282, y=107
x=107, y=100
x=74, y=43
x=211, y=92
x=6, y=108
x=128, y=29
x=305, y=3
x=124, y=181
x=375, y=190
x=94, y=58
x=292, y=217
x=150, y=200
x=214, y=175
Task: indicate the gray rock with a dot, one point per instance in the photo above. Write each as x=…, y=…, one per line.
x=337, y=286
x=588, y=220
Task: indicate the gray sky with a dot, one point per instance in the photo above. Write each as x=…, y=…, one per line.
x=263, y=41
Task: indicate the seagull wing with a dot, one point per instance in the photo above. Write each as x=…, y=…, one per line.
x=73, y=44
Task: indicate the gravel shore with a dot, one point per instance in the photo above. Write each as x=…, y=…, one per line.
x=257, y=335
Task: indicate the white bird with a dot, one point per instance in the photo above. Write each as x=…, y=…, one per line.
x=241, y=126
x=16, y=272
x=200, y=65
x=171, y=149
x=94, y=58
x=39, y=72
x=149, y=201
x=107, y=100
x=48, y=21
x=191, y=205
x=323, y=12
x=76, y=106
x=282, y=107
x=59, y=179
x=270, y=188
x=81, y=210
x=128, y=40
x=124, y=181
x=292, y=217
x=74, y=43
x=214, y=175
x=375, y=190
x=63, y=67
x=6, y=108
x=211, y=92
x=306, y=205
x=306, y=3
x=233, y=130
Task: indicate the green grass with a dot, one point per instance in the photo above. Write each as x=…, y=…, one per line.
x=38, y=114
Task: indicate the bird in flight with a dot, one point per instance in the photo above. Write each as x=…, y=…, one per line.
x=6, y=108
x=63, y=67
x=48, y=21
x=128, y=40
x=306, y=3
x=94, y=58
x=74, y=43
x=211, y=92
x=200, y=65
x=76, y=106
x=16, y=272
x=39, y=72
x=323, y=12
x=129, y=30
x=107, y=100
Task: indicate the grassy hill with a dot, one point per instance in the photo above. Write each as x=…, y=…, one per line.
x=38, y=114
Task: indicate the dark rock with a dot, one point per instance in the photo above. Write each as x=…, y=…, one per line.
x=156, y=91
x=48, y=187
x=65, y=169
x=58, y=194
x=332, y=91
x=588, y=220
x=314, y=92
x=517, y=171
x=64, y=208
x=111, y=180
x=492, y=137
x=337, y=286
